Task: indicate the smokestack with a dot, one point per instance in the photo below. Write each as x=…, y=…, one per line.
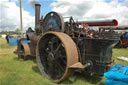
x=37, y=17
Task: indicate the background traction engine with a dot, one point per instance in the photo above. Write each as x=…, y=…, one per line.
x=61, y=48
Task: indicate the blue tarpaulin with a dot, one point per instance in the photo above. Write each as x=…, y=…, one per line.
x=118, y=75
x=13, y=41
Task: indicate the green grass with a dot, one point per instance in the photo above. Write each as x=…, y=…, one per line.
x=14, y=71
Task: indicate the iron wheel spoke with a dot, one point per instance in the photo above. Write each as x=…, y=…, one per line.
x=50, y=46
x=62, y=69
x=57, y=49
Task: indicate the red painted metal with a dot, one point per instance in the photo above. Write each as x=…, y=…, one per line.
x=113, y=22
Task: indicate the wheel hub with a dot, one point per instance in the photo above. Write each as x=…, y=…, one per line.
x=51, y=57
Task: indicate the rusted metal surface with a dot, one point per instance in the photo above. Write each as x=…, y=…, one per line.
x=77, y=66
x=37, y=17
x=26, y=50
x=100, y=23
x=114, y=28
x=35, y=38
x=123, y=43
x=71, y=55
x=23, y=50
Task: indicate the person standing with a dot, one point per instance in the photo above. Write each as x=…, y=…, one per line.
x=7, y=38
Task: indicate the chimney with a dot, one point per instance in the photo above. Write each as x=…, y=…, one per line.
x=37, y=17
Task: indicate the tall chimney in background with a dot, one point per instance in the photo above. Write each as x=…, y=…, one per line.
x=37, y=17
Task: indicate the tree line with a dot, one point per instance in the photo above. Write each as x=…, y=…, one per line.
x=17, y=32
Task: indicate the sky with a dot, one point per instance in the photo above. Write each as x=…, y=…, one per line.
x=78, y=9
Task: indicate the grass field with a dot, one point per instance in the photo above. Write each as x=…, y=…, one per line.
x=14, y=71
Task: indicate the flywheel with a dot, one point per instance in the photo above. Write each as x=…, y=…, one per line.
x=56, y=52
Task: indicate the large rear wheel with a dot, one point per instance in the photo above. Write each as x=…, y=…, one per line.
x=56, y=52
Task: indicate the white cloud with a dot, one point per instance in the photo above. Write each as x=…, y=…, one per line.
x=14, y=1
x=33, y=2
x=93, y=9
x=75, y=8
x=10, y=16
x=125, y=3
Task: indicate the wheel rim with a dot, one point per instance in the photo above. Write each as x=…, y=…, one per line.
x=54, y=56
x=25, y=51
x=22, y=50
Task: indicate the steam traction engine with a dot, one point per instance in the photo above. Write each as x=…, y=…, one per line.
x=61, y=48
